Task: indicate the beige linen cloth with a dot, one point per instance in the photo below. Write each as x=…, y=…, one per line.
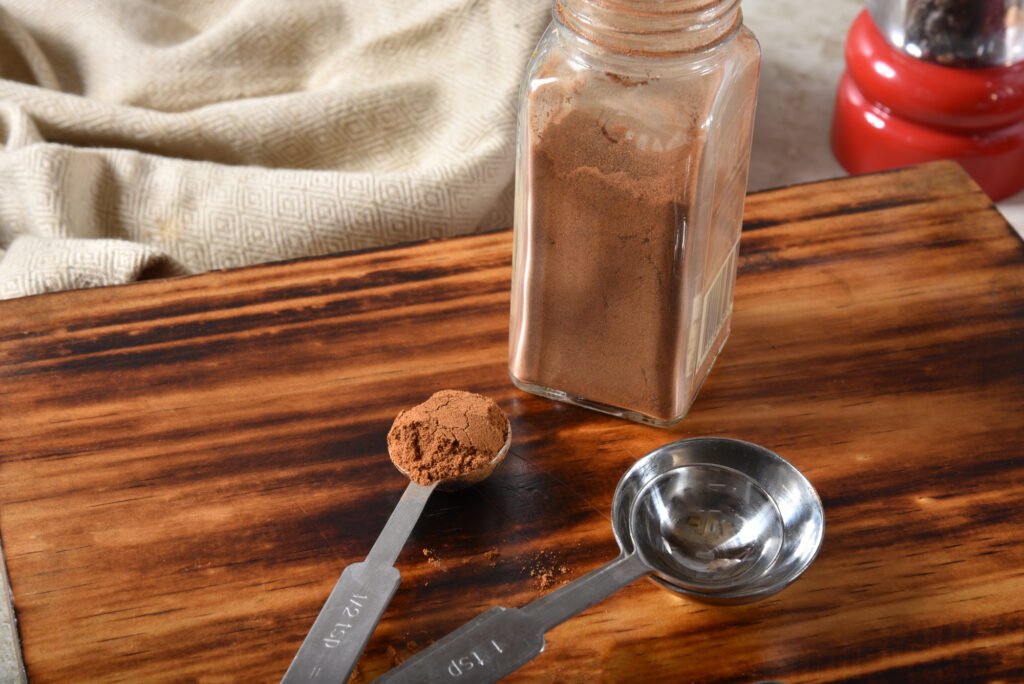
x=144, y=138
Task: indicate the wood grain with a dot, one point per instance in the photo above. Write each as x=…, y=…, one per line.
x=187, y=465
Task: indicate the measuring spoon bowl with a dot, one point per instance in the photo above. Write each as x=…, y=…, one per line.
x=451, y=484
x=706, y=527
x=746, y=474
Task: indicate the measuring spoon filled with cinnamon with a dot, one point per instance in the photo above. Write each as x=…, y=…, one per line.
x=453, y=440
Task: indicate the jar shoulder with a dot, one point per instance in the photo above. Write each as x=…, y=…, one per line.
x=560, y=63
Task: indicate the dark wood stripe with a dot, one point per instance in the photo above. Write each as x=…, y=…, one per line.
x=832, y=211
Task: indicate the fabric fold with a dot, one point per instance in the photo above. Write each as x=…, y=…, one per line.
x=200, y=136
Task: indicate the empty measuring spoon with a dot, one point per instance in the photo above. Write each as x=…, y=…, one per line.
x=702, y=525
x=802, y=515
x=342, y=629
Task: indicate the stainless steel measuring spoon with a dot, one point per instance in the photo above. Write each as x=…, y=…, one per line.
x=701, y=525
x=342, y=629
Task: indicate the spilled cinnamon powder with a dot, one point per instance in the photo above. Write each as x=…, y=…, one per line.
x=434, y=561
x=450, y=434
x=546, y=570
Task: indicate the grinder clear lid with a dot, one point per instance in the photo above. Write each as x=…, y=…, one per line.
x=956, y=33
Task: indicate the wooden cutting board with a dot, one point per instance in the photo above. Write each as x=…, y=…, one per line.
x=187, y=465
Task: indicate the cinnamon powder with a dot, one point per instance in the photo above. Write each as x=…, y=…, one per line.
x=602, y=311
x=450, y=434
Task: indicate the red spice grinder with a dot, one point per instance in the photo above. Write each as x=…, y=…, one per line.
x=935, y=79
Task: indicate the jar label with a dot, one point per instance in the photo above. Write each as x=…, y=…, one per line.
x=717, y=304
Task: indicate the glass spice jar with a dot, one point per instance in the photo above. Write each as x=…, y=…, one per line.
x=635, y=125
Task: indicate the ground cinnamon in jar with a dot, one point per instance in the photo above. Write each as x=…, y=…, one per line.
x=606, y=314
x=450, y=434
x=635, y=127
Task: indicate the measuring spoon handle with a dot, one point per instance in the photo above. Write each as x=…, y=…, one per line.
x=342, y=629
x=501, y=640
x=344, y=626
x=485, y=649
